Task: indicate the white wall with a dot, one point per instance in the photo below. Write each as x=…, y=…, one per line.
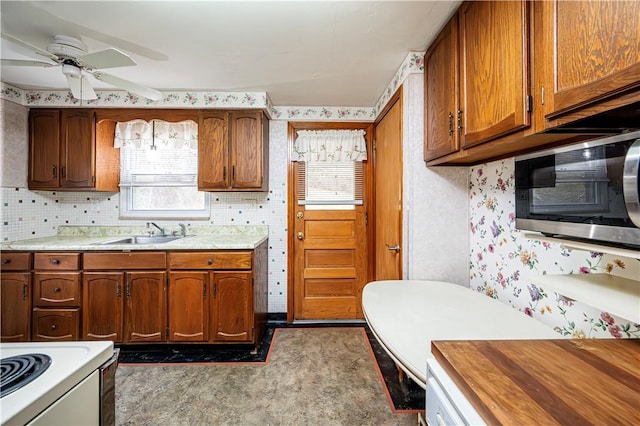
x=435, y=203
x=13, y=144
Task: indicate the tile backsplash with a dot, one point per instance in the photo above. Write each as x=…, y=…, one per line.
x=501, y=258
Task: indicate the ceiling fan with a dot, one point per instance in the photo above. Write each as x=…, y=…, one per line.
x=75, y=61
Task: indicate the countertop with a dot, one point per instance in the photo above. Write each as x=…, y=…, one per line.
x=405, y=316
x=568, y=382
x=88, y=238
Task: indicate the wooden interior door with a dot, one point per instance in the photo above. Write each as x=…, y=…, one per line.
x=330, y=263
x=388, y=194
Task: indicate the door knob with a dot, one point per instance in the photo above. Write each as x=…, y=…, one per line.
x=300, y=236
x=395, y=248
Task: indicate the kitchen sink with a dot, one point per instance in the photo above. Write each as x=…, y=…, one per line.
x=142, y=239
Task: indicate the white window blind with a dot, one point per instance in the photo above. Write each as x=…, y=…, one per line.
x=330, y=183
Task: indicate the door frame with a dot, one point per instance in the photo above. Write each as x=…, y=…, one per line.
x=398, y=96
x=292, y=128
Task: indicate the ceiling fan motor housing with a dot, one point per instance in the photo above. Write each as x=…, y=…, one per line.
x=67, y=48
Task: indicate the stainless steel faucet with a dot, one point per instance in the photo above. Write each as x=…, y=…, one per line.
x=153, y=224
x=183, y=229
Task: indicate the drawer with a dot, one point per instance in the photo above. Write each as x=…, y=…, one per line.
x=15, y=261
x=210, y=260
x=55, y=324
x=56, y=261
x=124, y=261
x=56, y=289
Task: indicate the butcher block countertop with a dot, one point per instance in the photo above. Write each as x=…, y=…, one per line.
x=545, y=382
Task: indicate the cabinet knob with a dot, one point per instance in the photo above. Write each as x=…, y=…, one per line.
x=6, y=261
x=56, y=290
x=55, y=261
x=209, y=261
x=53, y=326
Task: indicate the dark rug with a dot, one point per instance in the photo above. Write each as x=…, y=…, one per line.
x=405, y=395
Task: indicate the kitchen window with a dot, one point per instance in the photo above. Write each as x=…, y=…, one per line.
x=159, y=171
x=330, y=170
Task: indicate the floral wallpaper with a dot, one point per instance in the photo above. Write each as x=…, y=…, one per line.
x=501, y=259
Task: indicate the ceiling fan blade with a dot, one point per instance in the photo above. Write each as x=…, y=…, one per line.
x=80, y=87
x=22, y=63
x=30, y=47
x=130, y=86
x=107, y=58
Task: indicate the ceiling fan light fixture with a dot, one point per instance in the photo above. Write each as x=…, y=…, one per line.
x=71, y=70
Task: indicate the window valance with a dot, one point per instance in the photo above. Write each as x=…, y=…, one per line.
x=330, y=145
x=142, y=134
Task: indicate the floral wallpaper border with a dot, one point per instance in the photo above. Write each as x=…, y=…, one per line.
x=413, y=63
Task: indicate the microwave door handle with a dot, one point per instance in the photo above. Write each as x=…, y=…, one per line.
x=630, y=184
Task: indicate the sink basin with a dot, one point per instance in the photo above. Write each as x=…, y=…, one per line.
x=143, y=239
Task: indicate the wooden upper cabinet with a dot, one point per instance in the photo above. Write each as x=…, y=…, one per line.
x=441, y=93
x=247, y=150
x=232, y=151
x=213, y=148
x=494, y=70
x=62, y=149
x=592, y=54
x=44, y=149
x=77, y=149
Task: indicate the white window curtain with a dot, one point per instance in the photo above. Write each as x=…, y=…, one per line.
x=330, y=145
x=142, y=134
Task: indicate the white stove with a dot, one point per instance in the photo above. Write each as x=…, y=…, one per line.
x=71, y=382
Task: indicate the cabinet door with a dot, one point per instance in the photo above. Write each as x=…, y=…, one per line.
x=146, y=308
x=15, y=304
x=188, y=307
x=232, y=309
x=77, y=149
x=494, y=69
x=246, y=149
x=102, y=313
x=441, y=93
x=56, y=324
x=56, y=289
x=213, y=156
x=594, y=52
x=44, y=149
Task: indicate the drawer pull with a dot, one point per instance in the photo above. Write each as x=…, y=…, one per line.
x=209, y=261
x=6, y=261
x=53, y=326
x=57, y=290
x=24, y=292
x=55, y=261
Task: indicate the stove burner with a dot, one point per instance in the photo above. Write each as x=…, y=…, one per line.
x=17, y=371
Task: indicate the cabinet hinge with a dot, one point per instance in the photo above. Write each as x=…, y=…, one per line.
x=366, y=218
x=529, y=103
x=374, y=145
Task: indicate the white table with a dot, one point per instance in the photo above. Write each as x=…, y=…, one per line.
x=405, y=316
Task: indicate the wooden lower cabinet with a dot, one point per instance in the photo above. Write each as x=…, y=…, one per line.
x=188, y=306
x=127, y=307
x=103, y=308
x=55, y=324
x=15, y=306
x=145, y=317
x=232, y=307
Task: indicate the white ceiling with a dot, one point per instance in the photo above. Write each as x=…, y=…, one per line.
x=302, y=53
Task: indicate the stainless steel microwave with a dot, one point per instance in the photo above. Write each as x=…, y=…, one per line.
x=588, y=191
